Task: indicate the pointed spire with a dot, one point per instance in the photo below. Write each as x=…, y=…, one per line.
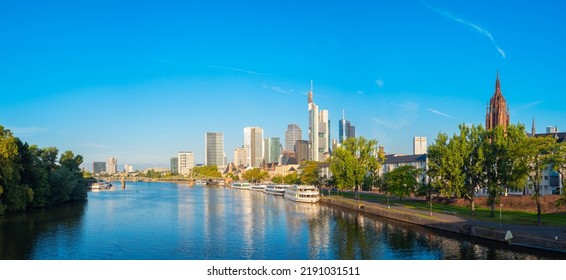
x=533, y=129
x=497, y=85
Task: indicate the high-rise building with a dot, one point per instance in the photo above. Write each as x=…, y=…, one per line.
x=98, y=167
x=302, y=150
x=240, y=157
x=292, y=134
x=186, y=162
x=345, y=129
x=497, y=111
x=274, y=150
x=112, y=165
x=253, y=143
x=419, y=145
x=319, y=130
x=174, y=165
x=214, y=149
x=128, y=168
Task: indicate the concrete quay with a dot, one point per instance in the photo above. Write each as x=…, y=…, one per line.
x=539, y=237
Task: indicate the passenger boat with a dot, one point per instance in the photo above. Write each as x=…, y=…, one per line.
x=275, y=189
x=257, y=187
x=241, y=185
x=299, y=193
x=100, y=185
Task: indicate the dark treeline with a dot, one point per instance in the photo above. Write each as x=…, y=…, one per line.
x=37, y=177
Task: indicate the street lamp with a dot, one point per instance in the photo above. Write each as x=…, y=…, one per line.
x=500, y=206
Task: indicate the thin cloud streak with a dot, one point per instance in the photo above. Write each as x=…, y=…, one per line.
x=440, y=113
x=472, y=25
x=28, y=131
x=238, y=70
x=278, y=89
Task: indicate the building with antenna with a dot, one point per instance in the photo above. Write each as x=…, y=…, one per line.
x=345, y=129
x=319, y=130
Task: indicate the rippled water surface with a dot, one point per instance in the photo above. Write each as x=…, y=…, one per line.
x=160, y=221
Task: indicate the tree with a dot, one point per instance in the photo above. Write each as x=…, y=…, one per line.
x=402, y=181
x=503, y=170
x=559, y=160
x=536, y=156
x=353, y=161
x=9, y=169
x=310, y=174
x=277, y=179
x=291, y=179
x=255, y=175
x=207, y=171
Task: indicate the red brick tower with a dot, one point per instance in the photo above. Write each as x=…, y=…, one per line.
x=497, y=112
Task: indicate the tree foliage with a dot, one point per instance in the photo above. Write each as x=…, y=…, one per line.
x=207, y=171
x=310, y=174
x=353, y=161
x=33, y=177
x=402, y=181
x=255, y=175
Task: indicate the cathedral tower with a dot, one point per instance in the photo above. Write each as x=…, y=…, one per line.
x=497, y=111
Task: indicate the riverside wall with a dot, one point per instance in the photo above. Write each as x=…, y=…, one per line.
x=451, y=224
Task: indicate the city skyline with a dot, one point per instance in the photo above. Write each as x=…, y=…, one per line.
x=142, y=83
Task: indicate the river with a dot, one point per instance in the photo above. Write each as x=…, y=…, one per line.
x=171, y=221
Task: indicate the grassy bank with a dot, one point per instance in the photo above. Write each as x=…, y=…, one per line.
x=482, y=213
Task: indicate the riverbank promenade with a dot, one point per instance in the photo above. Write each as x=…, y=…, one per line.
x=539, y=237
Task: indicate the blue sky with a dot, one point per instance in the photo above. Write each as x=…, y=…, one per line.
x=141, y=81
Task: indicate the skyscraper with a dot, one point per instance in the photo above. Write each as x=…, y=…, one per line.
x=174, y=165
x=253, y=143
x=185, y=162
x=497, y=111
x=419, y=145
x=240, y=156
x=274, y=150
x=98, y=167
x=319, y=130
x=112, y=165
x=214, y=149
x=345, y=129
x=302, y=150
x=292, y=134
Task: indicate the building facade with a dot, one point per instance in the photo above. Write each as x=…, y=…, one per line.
x=345, y=129
x=393, y=161
x=419, y=145
x=254, y=145
x=240, y=157
x=497, y=112
x=302, y=150
x=98, y=167
x=274, y=150
x=292, y=134
x=319, y=130
x=186, y=162
x=112, y=165
x=174, y=165
x=214, y=149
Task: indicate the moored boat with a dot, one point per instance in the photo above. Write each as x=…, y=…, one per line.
x=300, y=193
x=100, y=185
x=275, y=189
x=258, y=187
x=241, y=185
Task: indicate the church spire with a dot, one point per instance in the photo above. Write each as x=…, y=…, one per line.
x=497, y=111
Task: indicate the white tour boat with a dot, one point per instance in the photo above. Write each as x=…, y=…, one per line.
x=301, y=193
x=100, y=185
x=257, y=187
x=275, y=189
x=241, y=185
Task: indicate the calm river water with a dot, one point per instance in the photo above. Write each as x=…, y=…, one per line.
x=161, y=221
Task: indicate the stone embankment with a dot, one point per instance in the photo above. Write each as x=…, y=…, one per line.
x=547, y=238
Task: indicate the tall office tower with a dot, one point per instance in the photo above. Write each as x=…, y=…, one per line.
x=214, y=149
x=497, y=111
x=174, y=165
x=266, y=149
x=324, y=141
x=128, y=168
x=313, y=127
x=419, y=145
x=274, y=150
x=345, y=129
x=112, y=166
x=253, y=143
x=302, y=150
x=98, y=167
x=186, y=162
x=240, y=157
x=292, y=134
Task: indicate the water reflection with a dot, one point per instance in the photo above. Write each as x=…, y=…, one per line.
x=173, y=221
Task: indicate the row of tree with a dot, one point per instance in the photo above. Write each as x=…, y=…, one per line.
x=37, y=177
x=495, y=160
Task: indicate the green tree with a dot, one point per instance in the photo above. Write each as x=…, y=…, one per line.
x=9, y=169
x=353, y=161
x=207, y=171
x=402, y=181
x=277, y=179
x=255, y=175
x=310, y=174
x=291, y=179
x=559, y=160
x=537, y=155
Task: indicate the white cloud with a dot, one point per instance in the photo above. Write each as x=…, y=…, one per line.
x=278, y=89
x=434, y=111
x=469, y=24
x=28, y=131
x=238, y=70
